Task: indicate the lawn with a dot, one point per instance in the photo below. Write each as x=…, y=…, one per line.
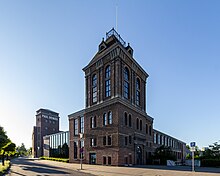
x=4, y=168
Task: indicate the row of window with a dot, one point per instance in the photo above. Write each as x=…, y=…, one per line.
x=139, y=125
x=165, y=140
x=50, y=121
x=107, y=120
x=107, y=140
x=126, y=85
x=57, y=140
x=78, y=124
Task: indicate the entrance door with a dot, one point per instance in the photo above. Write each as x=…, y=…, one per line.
x=92, y=158
x=139, y=155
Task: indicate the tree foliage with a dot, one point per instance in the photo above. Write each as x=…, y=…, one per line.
x=164, y=153
x=21, y=150
x=213, y=152
x=6, y=146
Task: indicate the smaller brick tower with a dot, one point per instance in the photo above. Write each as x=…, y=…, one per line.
x=47, y=122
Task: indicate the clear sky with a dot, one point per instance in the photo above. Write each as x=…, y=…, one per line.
x=45, y=44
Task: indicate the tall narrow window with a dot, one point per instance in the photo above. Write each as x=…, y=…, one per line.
x=93, y=142
x=75, y=149
x=129, y=120
x=94, y=88
x=138, y=92
x=126, y=118
x=75, y=126
x=104, y=140
x=126, y=83
x=93, y=122
x=108, y=81
x=146, y=128
x=150, y=130
x=109, y=140
x=137, y=123
x=110, y=117
x=104, y=119
x=82, y=124
x=141, y=125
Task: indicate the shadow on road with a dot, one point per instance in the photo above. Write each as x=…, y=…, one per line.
x=181, y=168
x=33, y=166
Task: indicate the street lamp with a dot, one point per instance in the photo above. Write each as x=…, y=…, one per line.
x=38, y=148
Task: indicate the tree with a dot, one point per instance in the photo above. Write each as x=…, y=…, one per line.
x=21, y=150
x=164, y=153
x=6, y=146
x=9, y=149
x=3, y=138
x=215, y=150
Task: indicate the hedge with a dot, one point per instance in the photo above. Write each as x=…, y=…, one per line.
x=210, y=162
x=65, y=160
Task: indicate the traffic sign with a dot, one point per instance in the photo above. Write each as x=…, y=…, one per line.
x=192, y=144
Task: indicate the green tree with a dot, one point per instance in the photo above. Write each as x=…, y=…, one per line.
x=164, y=153
x=3, y=138
x=21, y=150
x=6, y=146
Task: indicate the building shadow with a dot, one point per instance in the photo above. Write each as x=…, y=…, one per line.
x=180, y=168
x=42, y=169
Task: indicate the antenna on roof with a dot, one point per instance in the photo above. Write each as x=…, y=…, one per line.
x=116, y=11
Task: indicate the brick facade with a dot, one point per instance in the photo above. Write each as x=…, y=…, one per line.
x=117, y=129
x=47, y=122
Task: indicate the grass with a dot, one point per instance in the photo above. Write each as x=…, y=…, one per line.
x=65, y=160
x=3, y=169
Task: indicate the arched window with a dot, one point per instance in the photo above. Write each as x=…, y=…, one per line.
x=137, y=123
x=126, y=83
x=94, y=88
x=110, y=117
x=138, y=92
x=108, y=81
x=126, y=118
x=104, y=119
x=141, y=125
x=146, y=128
x=129, y=120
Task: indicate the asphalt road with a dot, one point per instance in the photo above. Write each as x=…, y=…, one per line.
x=35, y=167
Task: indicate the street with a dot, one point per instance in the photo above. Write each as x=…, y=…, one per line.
x=36, y=167
x=29, y=167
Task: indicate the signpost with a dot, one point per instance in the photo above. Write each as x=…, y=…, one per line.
x=193, y=149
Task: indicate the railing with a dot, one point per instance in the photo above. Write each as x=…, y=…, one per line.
x=113, y=32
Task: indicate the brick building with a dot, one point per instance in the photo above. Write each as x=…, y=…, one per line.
x=116, y=127
x=47, y=122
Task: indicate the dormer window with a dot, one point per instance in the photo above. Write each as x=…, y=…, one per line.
x=102, y=45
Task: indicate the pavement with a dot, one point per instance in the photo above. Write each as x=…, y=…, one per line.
x=38, y=167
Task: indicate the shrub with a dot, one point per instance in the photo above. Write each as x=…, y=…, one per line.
x=4, y=169
x=210, y=162
x=55, y=159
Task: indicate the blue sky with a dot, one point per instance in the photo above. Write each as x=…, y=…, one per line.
x=45, y=44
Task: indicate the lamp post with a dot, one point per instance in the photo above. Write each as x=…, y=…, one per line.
x=38, y=151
